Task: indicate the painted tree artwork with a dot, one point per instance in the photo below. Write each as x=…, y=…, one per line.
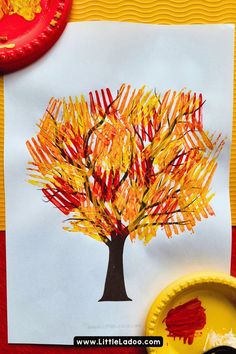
x=122, y=166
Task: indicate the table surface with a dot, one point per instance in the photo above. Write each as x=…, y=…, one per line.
x=55, y=349
x=145, y=11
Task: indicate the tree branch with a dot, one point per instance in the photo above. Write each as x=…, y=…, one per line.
x=94, y=128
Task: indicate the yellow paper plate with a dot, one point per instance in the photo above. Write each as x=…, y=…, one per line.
x=216, y=292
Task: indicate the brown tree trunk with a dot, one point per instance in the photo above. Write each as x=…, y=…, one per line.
x=114, y=289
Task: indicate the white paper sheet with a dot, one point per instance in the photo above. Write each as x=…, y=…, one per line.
x=55, y=278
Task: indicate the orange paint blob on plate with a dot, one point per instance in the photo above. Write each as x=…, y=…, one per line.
x=26, y=32
x=24, y=8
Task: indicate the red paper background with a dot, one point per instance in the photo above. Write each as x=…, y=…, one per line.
x=54, y=349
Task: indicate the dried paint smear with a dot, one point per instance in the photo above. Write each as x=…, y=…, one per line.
x=124, y=165
x=216, y=339
x=24, y=8
x=184, y=320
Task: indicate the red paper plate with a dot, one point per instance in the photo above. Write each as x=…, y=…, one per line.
x=27, y=32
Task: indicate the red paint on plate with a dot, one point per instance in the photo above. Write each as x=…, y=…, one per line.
x=23, y=41
x=184, y=320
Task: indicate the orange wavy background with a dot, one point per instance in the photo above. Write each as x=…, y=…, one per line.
x=147, y=11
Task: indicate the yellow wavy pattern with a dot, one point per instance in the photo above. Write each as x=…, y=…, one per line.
x=155, y=11
x=148, y=11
